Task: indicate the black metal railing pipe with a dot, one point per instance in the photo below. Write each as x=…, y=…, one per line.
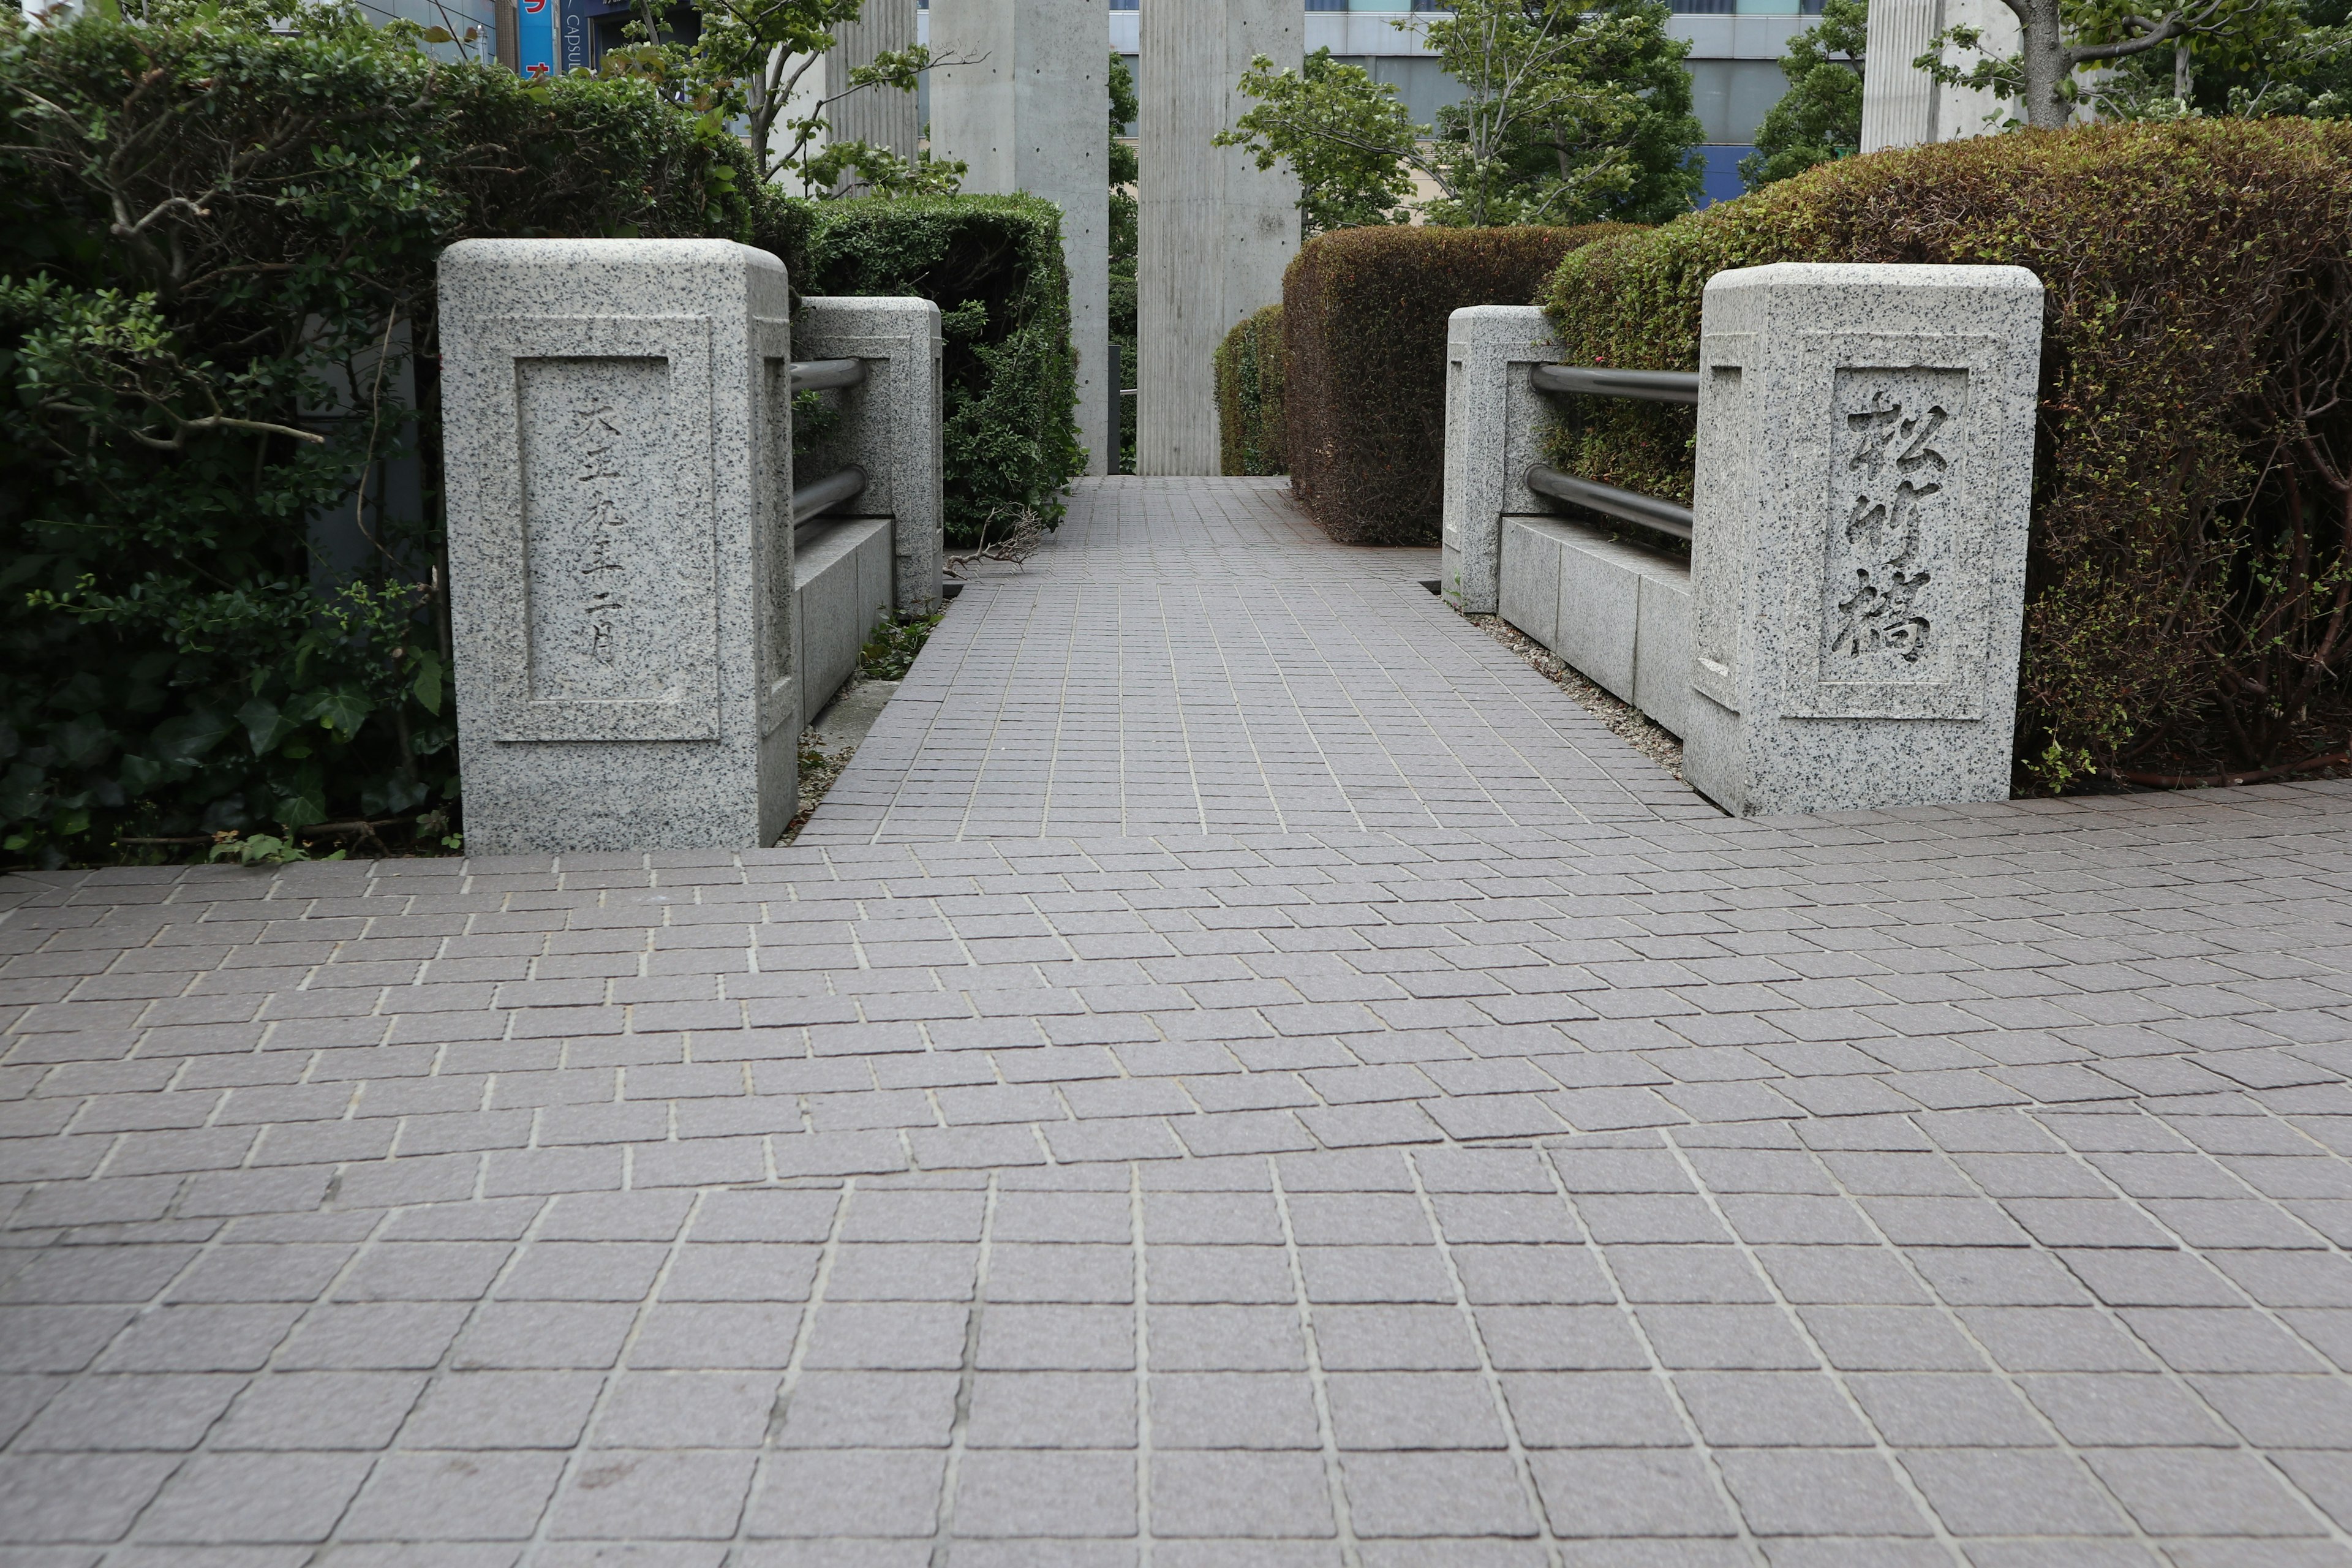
x=1597, y=381
x=816, y=374
x=822, y=494
x=1631, y=506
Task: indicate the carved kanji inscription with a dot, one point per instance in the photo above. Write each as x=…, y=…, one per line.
x=1898, y=438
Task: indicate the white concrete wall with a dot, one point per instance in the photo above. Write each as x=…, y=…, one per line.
x=1033, y=114
x=1903, y=106
x=883, y=116
x=1217, y=230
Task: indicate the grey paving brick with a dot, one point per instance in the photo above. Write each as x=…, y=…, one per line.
x=503, y=1410
x=1770, y=1409
x=1228, y=1339
x=1647, y=1495
x=433, y=1497
x=1437, y=882
x=1246, y=1496
x=1052, y=1410
x=506, y=1336
x=1819, y=1491
x=1418, y=1495
x=55, y=1498
x=2123, y=1410
x=687, y=1410
x=634, y=1495
x=1231, y=1410
x=255, y=1497
x=1593, y=1410
x=870, y=1410
x=1012, y=1493
x=2201, y=1491
x=138, y=1410
x=320, y=1410
x=1979, y=1492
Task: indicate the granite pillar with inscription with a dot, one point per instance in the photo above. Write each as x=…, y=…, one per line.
x=618, y=452
x=1865, y=461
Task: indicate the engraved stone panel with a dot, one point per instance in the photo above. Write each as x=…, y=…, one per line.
x=1865, y=454
x=1898, y=482
x=606, y=602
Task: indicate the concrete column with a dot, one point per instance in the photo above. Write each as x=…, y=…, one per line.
x=619, y=568
x=1902, y=105
x=1495, y=425
x=1865, y=468
x=1217, y=230
x=883, y=116
x=889, y=427
x=1033, y=114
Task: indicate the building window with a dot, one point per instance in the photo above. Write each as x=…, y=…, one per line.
x=1327, y=4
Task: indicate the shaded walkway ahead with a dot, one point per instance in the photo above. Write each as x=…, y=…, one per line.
x=1241, y=1072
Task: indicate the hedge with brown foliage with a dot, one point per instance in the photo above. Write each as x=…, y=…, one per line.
x=2189, y=589
x=1250, y=396
x=1364, y=314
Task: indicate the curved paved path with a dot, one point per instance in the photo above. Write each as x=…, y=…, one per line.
x=1241, y=1072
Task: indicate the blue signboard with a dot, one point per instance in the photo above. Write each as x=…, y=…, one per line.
x=572, y=37
x=536, y=52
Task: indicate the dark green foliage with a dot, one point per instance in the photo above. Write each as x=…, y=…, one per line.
x=1819, y=119
x=220, y=515
x=1363, y=322
x=890, y=652
x=216, y=323
x=993, y=265
x=1249, y=395
x=1125, y=216
x=2189, y=593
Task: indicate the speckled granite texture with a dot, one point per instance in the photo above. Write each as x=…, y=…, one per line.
x=1865, y=472
x=1495, y=422
x=620, y=577
x=892, y=426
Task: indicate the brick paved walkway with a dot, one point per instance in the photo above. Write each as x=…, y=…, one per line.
x=1244, y=1074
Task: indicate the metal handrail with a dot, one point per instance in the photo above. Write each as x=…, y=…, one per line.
x=1599, y=380
x=822, y=494
x=816, y=374
x=1631, y=506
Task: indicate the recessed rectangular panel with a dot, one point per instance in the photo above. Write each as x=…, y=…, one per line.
x=602, y=515
x=610, y=616
x=1896, y=584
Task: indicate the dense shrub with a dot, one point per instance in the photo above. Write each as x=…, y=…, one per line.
x=1249, y=395
x=2190, y=593
x=1364, y=315
x=220, y=514
x=993, y=265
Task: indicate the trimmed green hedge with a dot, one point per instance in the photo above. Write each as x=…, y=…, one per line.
x=1364, y=313
x=183, y=651
x=2189, y=593
x=993, y=265
x=1249, y=395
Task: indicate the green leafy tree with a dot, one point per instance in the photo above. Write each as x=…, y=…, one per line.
x=746, y=65
x=1125, y=218
x=1342, y=134
x=2063, y=37
x=1570, y=113
x=1820, y=117
x=2284, y=59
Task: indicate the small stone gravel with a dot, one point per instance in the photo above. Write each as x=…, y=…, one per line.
x=1625, y=721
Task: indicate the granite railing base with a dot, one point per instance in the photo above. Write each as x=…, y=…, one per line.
x=1845, y=635
x=1617, y=613
x=841, y=591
